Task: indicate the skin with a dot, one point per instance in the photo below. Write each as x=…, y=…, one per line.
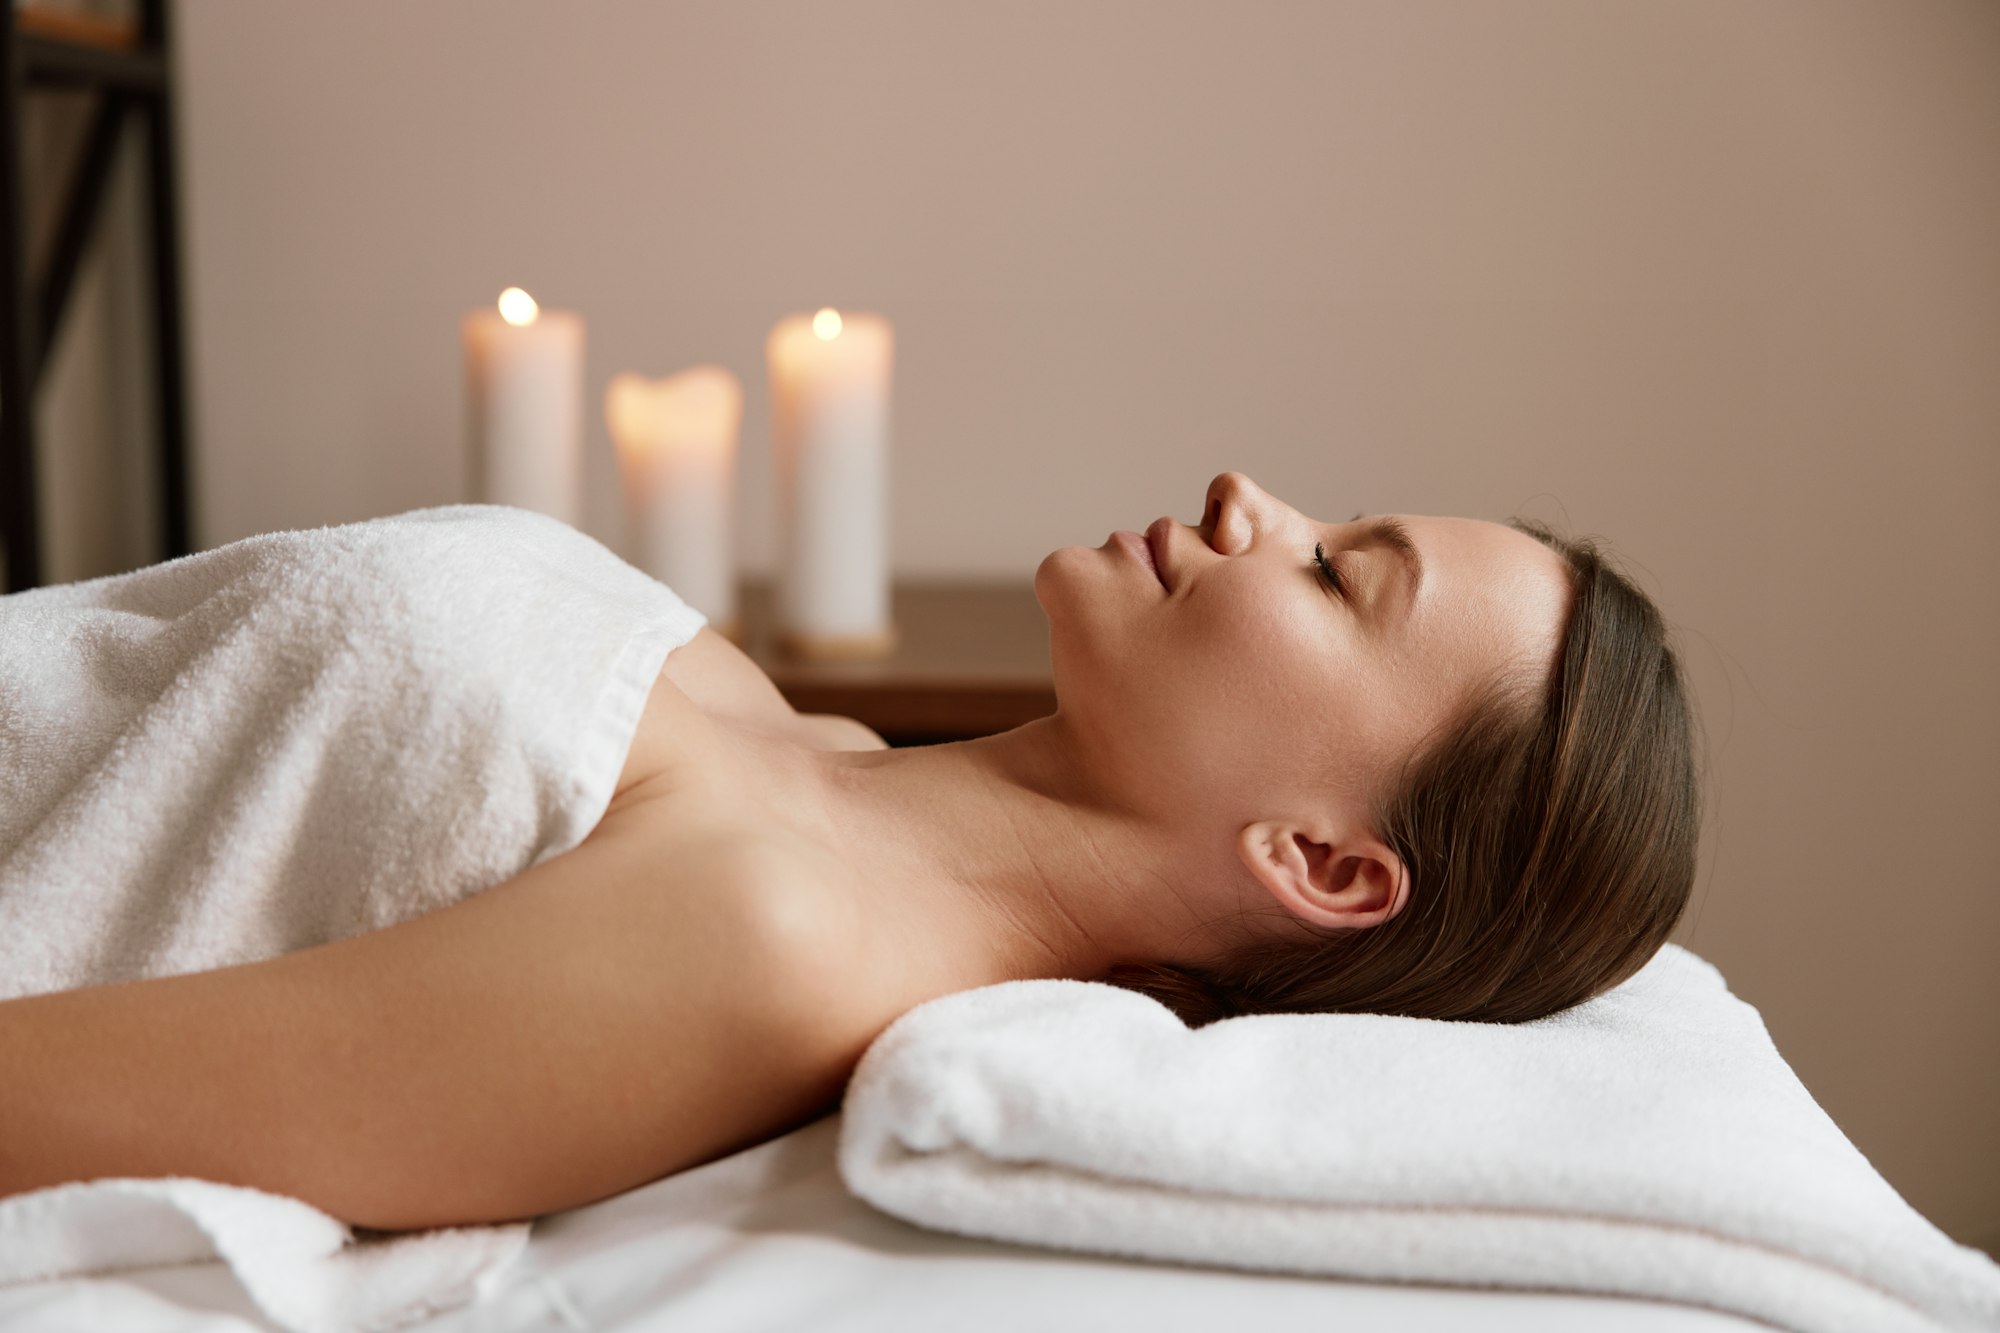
x=768, y=891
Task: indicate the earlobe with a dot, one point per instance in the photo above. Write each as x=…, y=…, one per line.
x=1325, y=878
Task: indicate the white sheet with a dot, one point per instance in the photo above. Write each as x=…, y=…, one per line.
x=770, y=1240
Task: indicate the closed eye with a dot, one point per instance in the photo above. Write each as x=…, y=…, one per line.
x=1327, y=571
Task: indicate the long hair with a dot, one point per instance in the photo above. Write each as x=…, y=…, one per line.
x=1549, y=837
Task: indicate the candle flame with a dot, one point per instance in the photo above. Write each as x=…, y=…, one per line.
x=827, y=323
x=697, y=411
x=517, y=307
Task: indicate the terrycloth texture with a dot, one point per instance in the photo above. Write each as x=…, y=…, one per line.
x=302, y=1268
x=1651, y=1142
x=303, y=736
x=287, y=741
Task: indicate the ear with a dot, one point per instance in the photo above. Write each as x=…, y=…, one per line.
x=1331, y=877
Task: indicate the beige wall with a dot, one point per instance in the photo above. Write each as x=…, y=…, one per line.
x=1718, y=280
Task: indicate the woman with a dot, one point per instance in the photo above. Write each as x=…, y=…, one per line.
x=1427, y=766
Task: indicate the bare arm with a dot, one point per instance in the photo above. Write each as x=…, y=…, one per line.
x=578, y=1030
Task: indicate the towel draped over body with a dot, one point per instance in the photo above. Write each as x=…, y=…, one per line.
x=307, y=735
x=279, y=743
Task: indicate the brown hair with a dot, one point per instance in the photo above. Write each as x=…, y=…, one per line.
x=1550, y=842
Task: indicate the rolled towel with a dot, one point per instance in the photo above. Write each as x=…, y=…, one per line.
x=1651, y=1143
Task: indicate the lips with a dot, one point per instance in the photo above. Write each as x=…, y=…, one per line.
x=1159, y=544
x=1141, y=550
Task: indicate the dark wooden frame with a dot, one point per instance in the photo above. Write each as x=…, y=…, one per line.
x=129, y=72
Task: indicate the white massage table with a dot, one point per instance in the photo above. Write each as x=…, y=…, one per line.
x=770, y=1240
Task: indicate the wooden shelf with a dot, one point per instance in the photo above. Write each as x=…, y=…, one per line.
x=971, y=658
x=77, y=29
x=76, y=51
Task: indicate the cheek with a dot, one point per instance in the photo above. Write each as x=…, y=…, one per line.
x=1237, y=681
x=1305, y=689
x=1264, y=679
x=1279, y=652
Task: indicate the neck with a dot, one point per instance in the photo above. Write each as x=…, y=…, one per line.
x=994, y=860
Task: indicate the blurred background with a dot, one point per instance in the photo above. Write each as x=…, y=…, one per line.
x=1718, y=281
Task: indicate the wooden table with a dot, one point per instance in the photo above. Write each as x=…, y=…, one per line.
x=971, y=658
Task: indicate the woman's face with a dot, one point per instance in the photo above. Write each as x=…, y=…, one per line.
x=1226, y=675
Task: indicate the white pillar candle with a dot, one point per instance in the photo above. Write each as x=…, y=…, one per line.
x=830, y=428
x=676, y=442
x=524, y=376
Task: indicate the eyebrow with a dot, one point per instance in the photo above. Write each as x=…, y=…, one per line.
x=1392, y=535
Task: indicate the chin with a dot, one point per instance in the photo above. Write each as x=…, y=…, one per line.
x=1056, y=578
x=1087, y=610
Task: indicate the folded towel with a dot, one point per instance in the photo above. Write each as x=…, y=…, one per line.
x=283, y=742
x=1651, y=1142
x=304, y=1270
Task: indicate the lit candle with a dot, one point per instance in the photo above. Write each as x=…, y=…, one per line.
x=524, y=373
x=830, y=430
x=676, y=441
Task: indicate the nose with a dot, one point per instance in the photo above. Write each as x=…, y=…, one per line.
x=1235, y=505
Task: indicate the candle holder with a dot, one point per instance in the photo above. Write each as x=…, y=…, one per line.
x=811, y=647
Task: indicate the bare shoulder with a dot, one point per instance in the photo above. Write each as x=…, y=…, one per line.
x=798, y=942
x=769, y=896
x=767, y=928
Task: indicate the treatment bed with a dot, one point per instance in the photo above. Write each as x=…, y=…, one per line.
x=769, y=1239
x=1644, y=1160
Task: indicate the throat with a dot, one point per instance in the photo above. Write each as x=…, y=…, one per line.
x=961, y=864
x=977, y=869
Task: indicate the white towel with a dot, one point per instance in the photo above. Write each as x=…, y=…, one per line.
x=302, y=736
x=287, y=741
x=1651, y=1142
x=305, y=1270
